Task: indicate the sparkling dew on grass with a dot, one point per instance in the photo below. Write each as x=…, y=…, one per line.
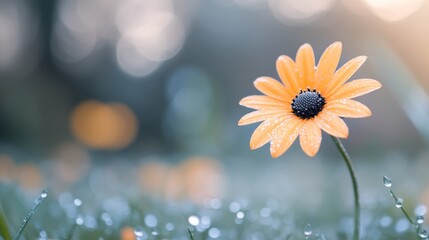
x=27, y=218
x=399, y=202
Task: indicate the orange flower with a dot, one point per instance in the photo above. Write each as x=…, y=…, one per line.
x=307, y=101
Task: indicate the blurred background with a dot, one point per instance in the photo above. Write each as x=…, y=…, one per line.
x=156, y=84
x=140, y=76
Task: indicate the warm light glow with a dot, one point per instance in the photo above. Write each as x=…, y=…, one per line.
x=393, y=10
x=152, y=177
x=196, y=179
x=29, y=177
x=202, y=178
x=6, y=168
x=72, y=163
x=127, y=233
x=104, y=126
x=290, y=11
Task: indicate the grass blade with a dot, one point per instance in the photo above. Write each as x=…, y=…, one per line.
x=4, y=230
x=191, y=234
x=31, y=213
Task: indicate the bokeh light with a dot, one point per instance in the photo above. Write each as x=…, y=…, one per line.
x=141, y=34
x=191, y=108
x=292, y=11
x=29, y=177
x=152, y=177
x=104, y=126
x=81, y=27
x=127, y=233
x=203, y=179
x=18, y=29
x=150, y=32
x=7, y=166
x=72, y=162
x=393, y=10
x=195, y=179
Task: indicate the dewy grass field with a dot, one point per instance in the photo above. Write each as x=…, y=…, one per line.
x=119, y=119
x=269, y=204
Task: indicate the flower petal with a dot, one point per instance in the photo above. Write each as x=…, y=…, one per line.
x=264, y=131
x=310, y=137
x=332, y=124
x=260, y=115
x=327, y=65
x=355, y=88
x=286, y=70
x=348, y=108
x=272, y=88
x=305, y=65
x=263, y=102
x=284, y=135
x=343, y=74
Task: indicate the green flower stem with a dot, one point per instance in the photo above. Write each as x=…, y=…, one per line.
x=348, y=161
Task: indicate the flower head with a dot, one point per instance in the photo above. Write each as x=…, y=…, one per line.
x=308, y=100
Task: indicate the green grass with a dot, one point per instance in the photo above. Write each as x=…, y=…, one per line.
x=57, y=220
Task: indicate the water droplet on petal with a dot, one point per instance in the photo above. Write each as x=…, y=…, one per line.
x=420, y=219
x=307, y=231
x=423, y=233
x=387, y=182
x=399, y=202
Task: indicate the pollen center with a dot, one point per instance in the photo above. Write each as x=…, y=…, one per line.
x=307, y=104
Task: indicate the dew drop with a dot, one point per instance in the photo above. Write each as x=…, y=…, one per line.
x=307, y=231
x=77, y=202
x=420, y=219
x=387, y=182
x=139, y=232
x=43, y=235
x=194, y=220
x=399, y=202
x=44, y=193
x=423, y=233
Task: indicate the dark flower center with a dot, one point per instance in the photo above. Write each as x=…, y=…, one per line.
x=307, y=104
